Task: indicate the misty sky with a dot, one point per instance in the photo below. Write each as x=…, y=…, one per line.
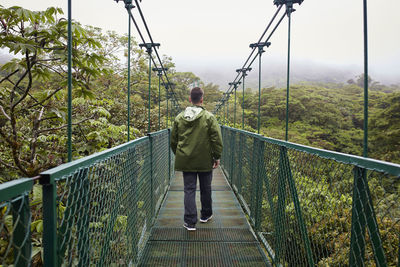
x=215, y=34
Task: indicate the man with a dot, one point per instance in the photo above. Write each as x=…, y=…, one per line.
x=197, y=144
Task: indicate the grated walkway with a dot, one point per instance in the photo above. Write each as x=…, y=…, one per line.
x=226, y=240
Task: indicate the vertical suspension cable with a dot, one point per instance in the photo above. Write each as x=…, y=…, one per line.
x=224, y=114
x=289, y=11
x=366, y=80
x=234, y=114
x=227, y=109
x=259, y=90
x=149, y=119
x=129, y=75
x=69, y=131
x=243, y=103
x=159, y=101
x=166, y=117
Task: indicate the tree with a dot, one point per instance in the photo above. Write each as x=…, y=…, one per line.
x=35, y=83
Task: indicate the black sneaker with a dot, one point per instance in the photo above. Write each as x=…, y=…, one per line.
x=189, y=227
x=205, y=219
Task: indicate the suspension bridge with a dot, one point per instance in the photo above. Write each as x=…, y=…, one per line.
x=274, y=201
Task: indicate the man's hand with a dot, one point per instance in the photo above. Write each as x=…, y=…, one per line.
x=216, y=164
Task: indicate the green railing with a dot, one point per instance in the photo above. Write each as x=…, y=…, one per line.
x=15, y=223
x=97, y=210
x=313, y=207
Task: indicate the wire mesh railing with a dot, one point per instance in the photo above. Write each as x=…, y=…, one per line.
x=312, y=207
x=97, y=210
x=15, y=223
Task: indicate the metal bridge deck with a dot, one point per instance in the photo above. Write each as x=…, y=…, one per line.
x=226, y=240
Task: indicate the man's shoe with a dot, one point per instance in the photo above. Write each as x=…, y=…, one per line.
x=189, y=227
x=205, y=219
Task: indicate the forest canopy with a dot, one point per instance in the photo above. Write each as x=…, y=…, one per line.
x=33, y=98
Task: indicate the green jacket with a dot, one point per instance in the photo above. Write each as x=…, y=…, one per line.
x=196, y=140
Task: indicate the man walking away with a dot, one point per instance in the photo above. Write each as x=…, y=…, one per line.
x=197, y=144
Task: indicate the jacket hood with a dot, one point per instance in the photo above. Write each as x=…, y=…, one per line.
x=192, y=113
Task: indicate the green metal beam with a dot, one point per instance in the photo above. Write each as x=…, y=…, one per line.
x=69, y=131
x=129, y=75
x=365, y=12
x=289, y=10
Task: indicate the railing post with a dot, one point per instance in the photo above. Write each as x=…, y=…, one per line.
x=259, y=188
x=132, y=212
x=151, y=177
x=22, y=246
x=169, y=156
x=363, y=215
x=83, y=225
x=240, y=164
x=254, y=170
x=280, y=217
x=166, y=115
x=296, y=202
x=50, y=223
x=232, y=165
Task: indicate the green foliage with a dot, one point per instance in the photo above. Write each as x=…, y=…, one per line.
x=328, y=116
x=33, y=95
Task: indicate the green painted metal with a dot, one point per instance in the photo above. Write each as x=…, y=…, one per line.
x=21, y=215
x=129, y=75
x=296, y=202
x=362, y=162
x=159, y=102
x=240, y=164
x=69, y=122
x=259, y=186
x=291, y=194
x=289, y=10
x=358, y=224
x=166, y=115
x=159, y=74
x=366, y=78
x=234, y=112
x=224, y=114
x=260, y=47
x=233, y=162
x=50, y=224
x=169, y=158
x=364, y=215
x=244, y=75
x=151, y=175
x=15, y=221
x=100, y=208
x=254, y=179
x=234, y=84
x=227, y=108
x=15, y=188
x=260, y=51
x=280, y=218
x=243, y=71
x=149, y=97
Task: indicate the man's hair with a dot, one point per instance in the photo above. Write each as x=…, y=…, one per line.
x=196, y=94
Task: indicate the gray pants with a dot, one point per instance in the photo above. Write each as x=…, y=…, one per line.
x=190, y=181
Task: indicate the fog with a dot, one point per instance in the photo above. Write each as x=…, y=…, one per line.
x=211, y=38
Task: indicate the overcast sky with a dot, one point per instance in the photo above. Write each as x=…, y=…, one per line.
x=217, y=33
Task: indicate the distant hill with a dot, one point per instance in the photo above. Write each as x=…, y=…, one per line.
x=274, y=74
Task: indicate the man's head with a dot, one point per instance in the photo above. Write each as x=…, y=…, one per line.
x=196, y=96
